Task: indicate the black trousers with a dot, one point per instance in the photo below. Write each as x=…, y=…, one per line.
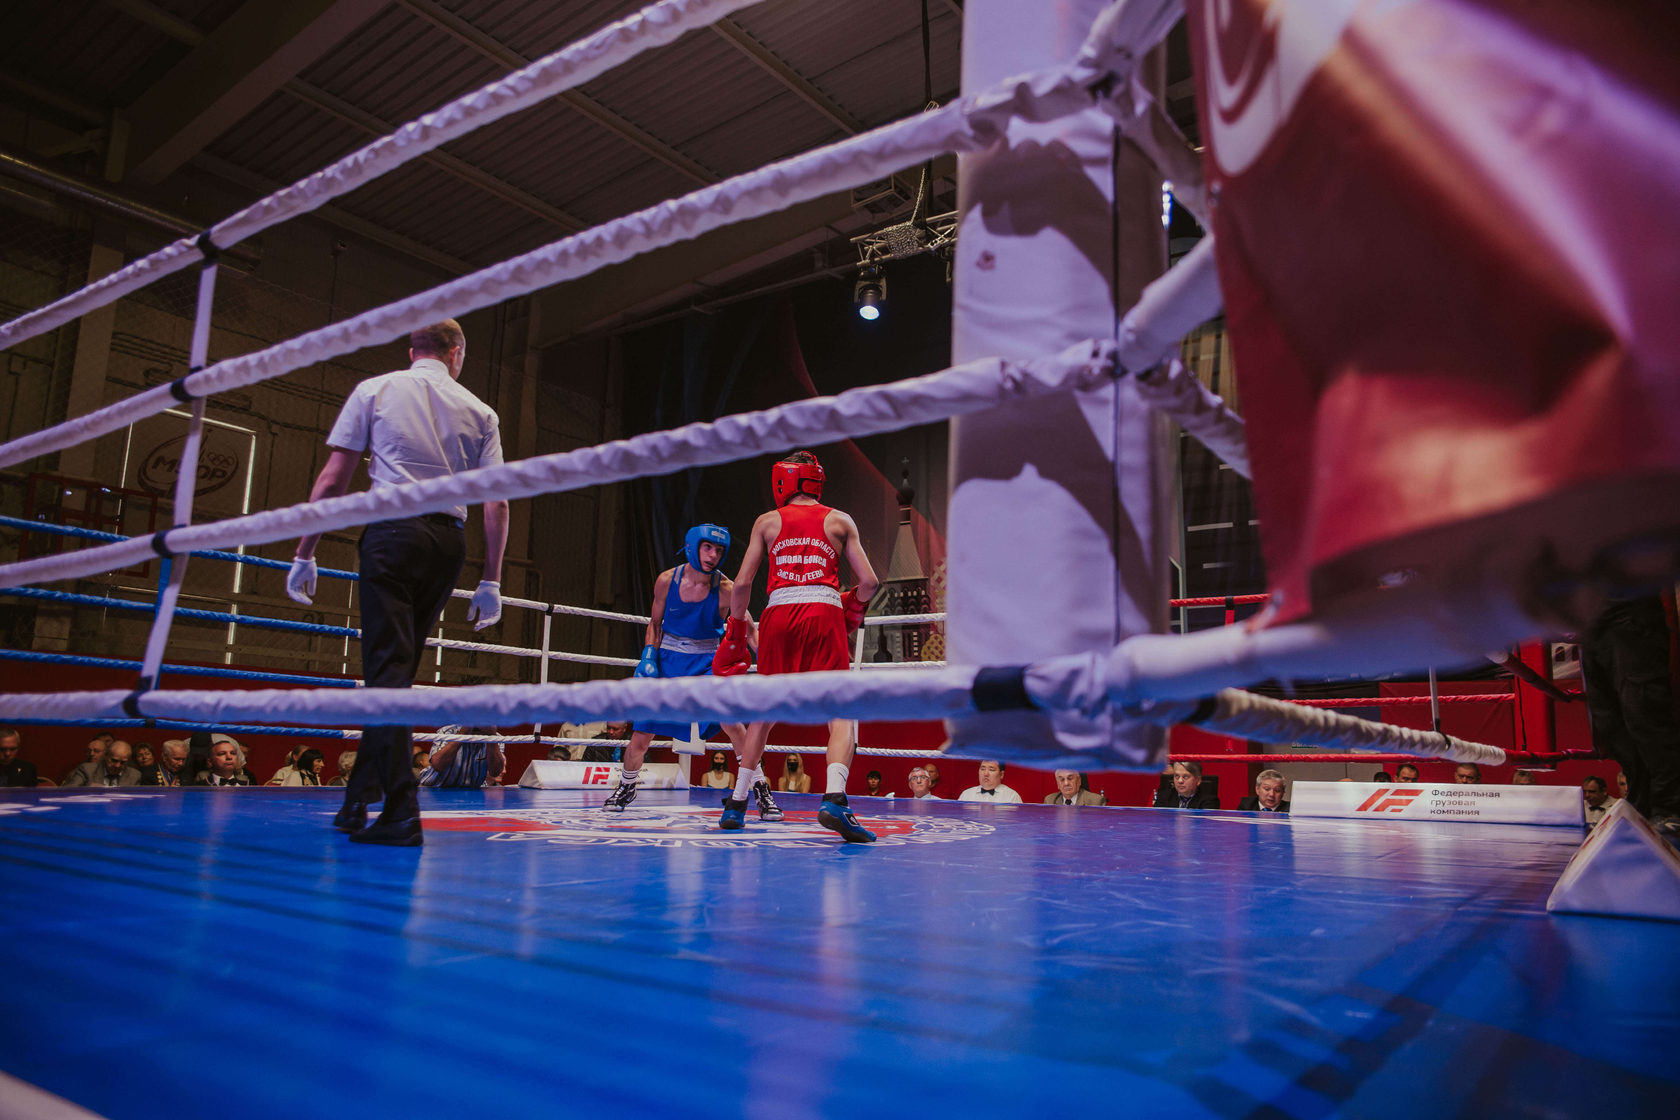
x=408, y=568
x=1630, y=700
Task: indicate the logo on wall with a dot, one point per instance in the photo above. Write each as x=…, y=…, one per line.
x=678, y=826
x=158, y=469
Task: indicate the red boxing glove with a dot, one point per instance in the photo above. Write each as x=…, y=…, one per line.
x=854, y=609
x=733, y=655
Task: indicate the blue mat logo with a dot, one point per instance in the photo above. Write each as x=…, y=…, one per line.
x=676, y=826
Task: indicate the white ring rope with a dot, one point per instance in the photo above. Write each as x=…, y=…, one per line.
x=1066, y=683
x=565, y=69
x=969, y=124
x=970, y=387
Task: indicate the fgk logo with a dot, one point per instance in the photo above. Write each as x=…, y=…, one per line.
x=1387, y=800
x=597, y=775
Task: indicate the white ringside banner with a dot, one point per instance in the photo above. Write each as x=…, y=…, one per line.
x=543, y=774
x=1550, y=805
x=1625, y=869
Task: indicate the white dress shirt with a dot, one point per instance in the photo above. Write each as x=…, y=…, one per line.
x=1002, y=795
x=428, y=427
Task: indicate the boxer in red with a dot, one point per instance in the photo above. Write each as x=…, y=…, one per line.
x=804, y=628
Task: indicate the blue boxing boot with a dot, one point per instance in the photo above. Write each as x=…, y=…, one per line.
x=734, y=814
x=835, y=816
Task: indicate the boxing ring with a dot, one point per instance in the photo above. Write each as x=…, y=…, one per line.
x=540, y=955
x=538, y=959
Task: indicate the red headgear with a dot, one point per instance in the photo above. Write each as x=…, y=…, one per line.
x=788, y=479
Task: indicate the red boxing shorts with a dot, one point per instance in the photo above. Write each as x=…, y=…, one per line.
x=802, y=638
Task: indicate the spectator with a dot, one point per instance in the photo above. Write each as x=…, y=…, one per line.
x=933, y=777
x=600, y=752
x=1406, y=773
x=1187, y=789
x=14, y=771
x=1268, y=795
x=421, y=754
x=227, y=765
x=991, y=787
x=1630, y=695
x=1073, y=788
x=1596, y=794
x=116, y=768
x=346, y=761
x=306, y=771
x=1467, y=774
x=872, y=784
x=95, y=753
x=718, y=777
x=168, y=770
x=921, y=786
x=1523, y=778
x=794, y=777
x=1621, y=785
x=143, y=756
x=454, y=764
x=1382, y=776
x=288, y=770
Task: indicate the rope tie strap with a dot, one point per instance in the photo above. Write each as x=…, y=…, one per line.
x=160, y=544
x=207, y=248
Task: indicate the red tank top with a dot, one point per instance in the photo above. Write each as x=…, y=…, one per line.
x=802, y=555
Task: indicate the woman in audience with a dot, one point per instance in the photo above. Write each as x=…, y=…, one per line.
x=143, y=756
x=307, y=770
x=346, y=760
x=794, y=778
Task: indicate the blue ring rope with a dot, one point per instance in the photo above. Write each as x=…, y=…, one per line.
x=46, y=658
x=209, y=554
x=183, y=725
x=195, y=615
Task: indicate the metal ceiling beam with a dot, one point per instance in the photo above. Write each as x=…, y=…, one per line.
x=732, y=33
x=460, y=168
x=255, y=51
x=332, y=215
x=181, y=31
x=506, y=56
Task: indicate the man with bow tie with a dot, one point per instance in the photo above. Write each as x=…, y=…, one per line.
x=991, y=787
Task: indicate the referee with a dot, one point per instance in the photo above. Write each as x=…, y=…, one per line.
x=419, y=423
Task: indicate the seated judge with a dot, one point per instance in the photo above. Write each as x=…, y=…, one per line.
x=1187, y=789
x=1074, y=788
x=1268, y=795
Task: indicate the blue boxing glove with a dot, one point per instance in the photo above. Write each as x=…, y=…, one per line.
x=649, y=665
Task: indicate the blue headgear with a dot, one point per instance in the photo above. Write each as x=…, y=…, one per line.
x=712, y=534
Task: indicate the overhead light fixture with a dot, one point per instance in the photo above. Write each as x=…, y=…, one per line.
x=869, y=294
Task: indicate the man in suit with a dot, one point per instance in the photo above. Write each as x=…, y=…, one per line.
x=1073, y=789
x=114, y=769
x=14, y=771
x=1268, y=795
x=1187, y=786
x=169, y=769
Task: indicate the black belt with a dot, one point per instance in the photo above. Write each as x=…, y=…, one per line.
x=443, y=519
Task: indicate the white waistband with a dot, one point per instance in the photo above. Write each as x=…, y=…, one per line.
x=687, y=645
x=788, y=596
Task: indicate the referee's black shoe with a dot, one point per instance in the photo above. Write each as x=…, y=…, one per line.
x=403, y=833
x=351, y=818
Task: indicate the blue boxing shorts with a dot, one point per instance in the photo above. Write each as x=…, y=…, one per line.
x=674, y=664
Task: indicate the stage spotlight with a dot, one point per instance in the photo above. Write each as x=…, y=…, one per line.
x=869, y=294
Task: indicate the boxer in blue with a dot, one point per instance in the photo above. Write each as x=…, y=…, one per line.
x=690, y=606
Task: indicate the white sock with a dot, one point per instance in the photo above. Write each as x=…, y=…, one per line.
x=629, y=777
x=757, y=774
x=743, y=783
x=837, y=775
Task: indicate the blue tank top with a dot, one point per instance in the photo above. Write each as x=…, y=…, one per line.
x=690, y=620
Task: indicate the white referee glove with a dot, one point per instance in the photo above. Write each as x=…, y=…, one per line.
x=300, y=581
x=486, y=605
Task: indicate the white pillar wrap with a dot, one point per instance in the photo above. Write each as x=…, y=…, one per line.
x=1057, y=523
